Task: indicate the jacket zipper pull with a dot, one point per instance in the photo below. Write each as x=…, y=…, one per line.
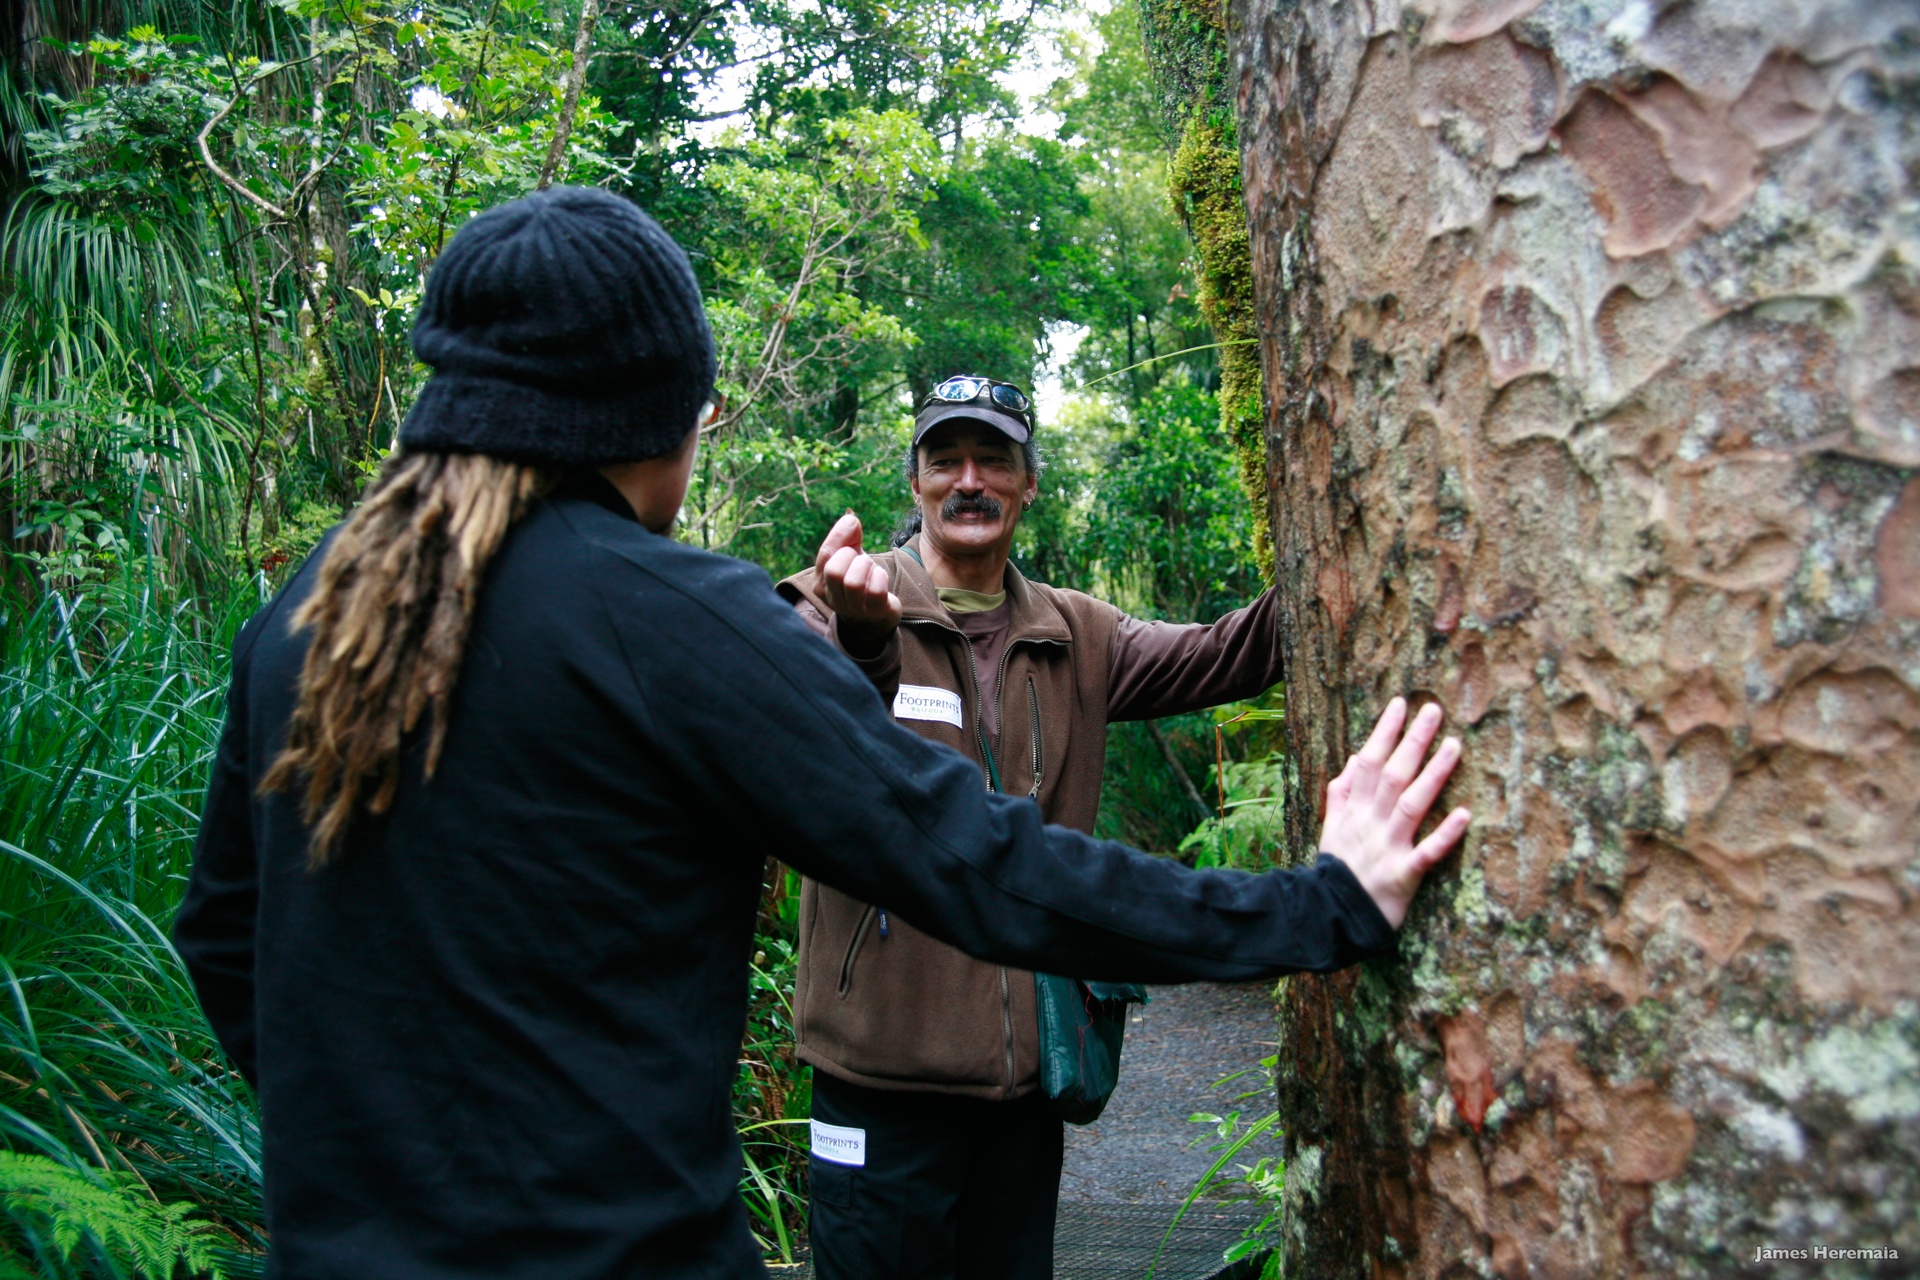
x=883, y=922
x=1033, y=702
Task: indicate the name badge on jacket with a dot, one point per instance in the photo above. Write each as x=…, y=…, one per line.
x=927, y=702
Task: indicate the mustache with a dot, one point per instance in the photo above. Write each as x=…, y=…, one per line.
x=971, y=504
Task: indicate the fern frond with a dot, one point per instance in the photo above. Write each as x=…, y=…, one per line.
x=65, y=1208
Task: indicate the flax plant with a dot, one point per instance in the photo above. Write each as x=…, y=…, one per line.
x=110, y=706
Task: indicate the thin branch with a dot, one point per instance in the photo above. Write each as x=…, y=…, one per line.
x=1191, y=792
x=300, y=190
x=206, y=131
x=1209, y=346
x=576, y=80
x=699, y=21
x=379, y=381
x=709, y=117
x=715, y=67
x=466, y=91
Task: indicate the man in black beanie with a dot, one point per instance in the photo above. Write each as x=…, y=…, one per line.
x=476, y=879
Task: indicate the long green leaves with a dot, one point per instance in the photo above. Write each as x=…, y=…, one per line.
x=772, y=1094
x=78, y=287
x=109, y=710
x=1265, y=1179
x=105, y=424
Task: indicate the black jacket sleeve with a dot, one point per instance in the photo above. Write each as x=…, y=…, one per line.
x=214, y=931
x=794, y=753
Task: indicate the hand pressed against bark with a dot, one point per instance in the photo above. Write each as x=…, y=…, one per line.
x=855, y=586
x=1378, y=802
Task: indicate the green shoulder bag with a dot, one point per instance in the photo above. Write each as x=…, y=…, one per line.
x=1081, y=1026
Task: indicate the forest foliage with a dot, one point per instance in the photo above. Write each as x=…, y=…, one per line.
x=215, y=221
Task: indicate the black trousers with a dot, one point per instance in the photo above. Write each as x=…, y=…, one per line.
x=952, y=1188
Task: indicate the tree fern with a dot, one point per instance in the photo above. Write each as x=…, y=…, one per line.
x=60, y=1211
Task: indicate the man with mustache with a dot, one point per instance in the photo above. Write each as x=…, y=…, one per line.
x=936, y=1154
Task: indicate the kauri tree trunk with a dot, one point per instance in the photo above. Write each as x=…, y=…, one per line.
x=1591, y=345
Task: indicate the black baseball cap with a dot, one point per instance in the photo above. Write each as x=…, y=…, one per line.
x=1000, y=405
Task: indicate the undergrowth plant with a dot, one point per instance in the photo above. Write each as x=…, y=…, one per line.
x=59, y=1219
x=110, y=704
x=773, y=1092
x=1241, y=1169
x=1246, y=831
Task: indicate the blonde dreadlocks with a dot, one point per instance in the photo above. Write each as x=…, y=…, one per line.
x=389, y=618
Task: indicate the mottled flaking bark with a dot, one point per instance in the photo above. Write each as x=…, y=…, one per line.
x=1591, y=339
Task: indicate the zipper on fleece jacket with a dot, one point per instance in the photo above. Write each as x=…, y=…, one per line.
x=1033, y=705
x=993, y=784
x=980, y=711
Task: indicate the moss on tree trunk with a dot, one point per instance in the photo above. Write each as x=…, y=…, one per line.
x=1187, y=47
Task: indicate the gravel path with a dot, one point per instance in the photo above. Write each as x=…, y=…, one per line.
x=1176, y=1047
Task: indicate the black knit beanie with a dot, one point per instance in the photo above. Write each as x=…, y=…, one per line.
x=562, y=327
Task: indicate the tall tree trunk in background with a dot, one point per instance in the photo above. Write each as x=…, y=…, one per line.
x=570, y=102
x=1591, y=338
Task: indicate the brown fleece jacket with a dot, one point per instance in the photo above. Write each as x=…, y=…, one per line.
x=881, y=1004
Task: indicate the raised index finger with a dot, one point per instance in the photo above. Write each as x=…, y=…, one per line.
x=845, y=533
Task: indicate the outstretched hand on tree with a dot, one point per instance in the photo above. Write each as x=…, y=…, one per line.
x=854, y=586
x=1376, y=805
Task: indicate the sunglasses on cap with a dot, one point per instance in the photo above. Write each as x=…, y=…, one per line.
x=968, y=387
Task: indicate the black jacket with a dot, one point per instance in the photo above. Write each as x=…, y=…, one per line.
x=496, y=1036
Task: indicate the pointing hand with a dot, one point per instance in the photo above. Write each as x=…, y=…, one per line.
x=855, y=588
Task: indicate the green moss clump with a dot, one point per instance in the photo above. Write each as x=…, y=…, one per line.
x=1206, y=189
x=1186, y=46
